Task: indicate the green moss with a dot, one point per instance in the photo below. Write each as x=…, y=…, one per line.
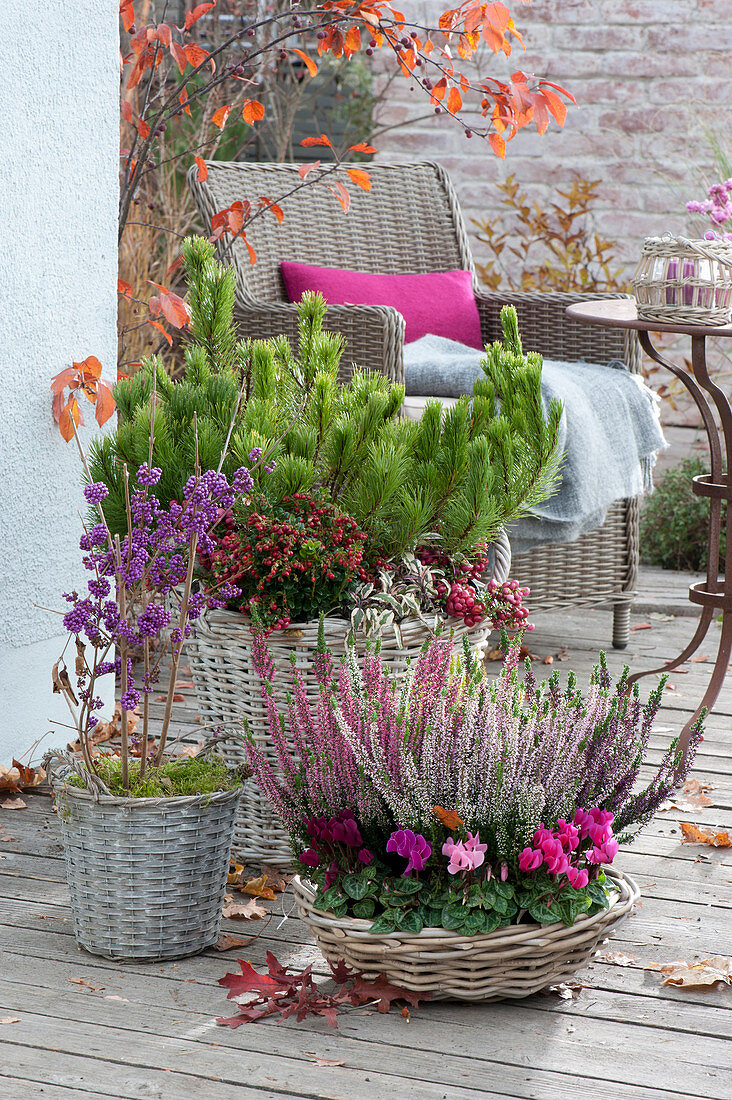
x=185, y=776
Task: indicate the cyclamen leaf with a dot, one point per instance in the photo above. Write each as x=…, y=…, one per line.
x=384, y=924
x=356, y=887
x=364, y=909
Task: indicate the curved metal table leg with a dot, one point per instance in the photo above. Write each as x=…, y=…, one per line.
x=715, y=595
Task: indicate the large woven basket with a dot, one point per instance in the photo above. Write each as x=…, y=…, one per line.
x=146, y=875
x=229, y=693
x=680, y=281
x=510, y=963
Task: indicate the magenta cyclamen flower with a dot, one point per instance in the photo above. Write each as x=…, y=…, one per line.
x=464, y=856
x=310, y=858
x=530, y=860
x=411, y=846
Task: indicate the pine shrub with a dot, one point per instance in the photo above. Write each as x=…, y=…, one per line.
x=455, y=477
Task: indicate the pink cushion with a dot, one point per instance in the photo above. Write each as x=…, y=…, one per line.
x=441, y=303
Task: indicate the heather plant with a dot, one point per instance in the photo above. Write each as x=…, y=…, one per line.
x=674, y=532
x=453, y=800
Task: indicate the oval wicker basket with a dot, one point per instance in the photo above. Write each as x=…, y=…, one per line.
x=229, y=693
x=512, y=962
x=146, y=875
x=680, y=281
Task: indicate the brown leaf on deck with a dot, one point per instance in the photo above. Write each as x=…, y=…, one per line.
x=13, y=804
x=617, y=959
x=324, y=1062
x=699, y=975
x=228, y=943
x=250, y=911
x=9, y=1019
x=698, y=834
x=641, y=626
x=19, y=777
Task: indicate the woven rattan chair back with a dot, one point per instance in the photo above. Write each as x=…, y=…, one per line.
x=409, y=221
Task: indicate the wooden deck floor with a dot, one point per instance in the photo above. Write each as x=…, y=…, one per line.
x=91, y=1028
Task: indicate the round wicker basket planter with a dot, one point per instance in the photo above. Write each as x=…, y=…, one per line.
x=510, y=963
x=681, y=281
x=229, y=693
x=146, y=875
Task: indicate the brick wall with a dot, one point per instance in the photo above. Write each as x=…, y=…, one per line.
x=648, y=75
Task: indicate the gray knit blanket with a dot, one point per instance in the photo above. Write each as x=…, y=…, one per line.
x=610, y=433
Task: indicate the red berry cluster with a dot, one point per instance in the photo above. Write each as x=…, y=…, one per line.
x=466, y=597
x=292, y=560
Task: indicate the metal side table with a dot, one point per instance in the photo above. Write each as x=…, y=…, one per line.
x=715, y=593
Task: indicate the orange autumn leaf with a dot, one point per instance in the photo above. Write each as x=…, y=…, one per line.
x=124, y=289
x=183, y=100
x=308, y=142
x=171, y=305
x=360, y=178
x=197, y=12
x=67, y=377
x=454, y=101
x=362, y=147
x=250, y=250
x=196, y=56
x=127, y=12
x=180, y=56
x=159, y=327
x=105, y=403
x=497, y=144
x=311, y=66
x=126, y=111
x=252, y=111
x=695, y=834
x=449, y=818
x=268, y=204
x=89, y=368
x=342, y=195
x=164, y=35
x=69, y=419
x=231, y=219
x=219, y=117
x=352, y=41
x=202, y=173
x=304, y=169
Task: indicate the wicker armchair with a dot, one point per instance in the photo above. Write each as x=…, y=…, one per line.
x=411, y=221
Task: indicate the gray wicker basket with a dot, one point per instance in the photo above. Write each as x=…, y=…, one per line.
x=146, y=875
x=509, y=963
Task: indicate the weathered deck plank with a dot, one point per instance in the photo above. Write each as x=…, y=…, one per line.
x=624, y=1036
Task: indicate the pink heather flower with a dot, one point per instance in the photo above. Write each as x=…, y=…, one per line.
x=310, y=858
x=412, y=847
x=577, y=879
x=530, y=860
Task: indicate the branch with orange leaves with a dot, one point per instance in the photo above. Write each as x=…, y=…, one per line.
x=80, y=378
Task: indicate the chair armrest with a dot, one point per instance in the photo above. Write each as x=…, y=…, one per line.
x=545, y=327
x=374, y=334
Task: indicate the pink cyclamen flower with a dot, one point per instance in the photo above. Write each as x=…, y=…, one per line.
x=310, y=858
x=504, y=872
x=411, y=846
x=464, y=856
x=366, y=856
x=603, y=853
x=476, y=851
x=577, y=878
x=529, y=860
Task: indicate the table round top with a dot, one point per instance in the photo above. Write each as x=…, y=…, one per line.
x=622, y=313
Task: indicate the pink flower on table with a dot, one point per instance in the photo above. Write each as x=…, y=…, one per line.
x=530, y=859
x=411, y=846
x=577, y=878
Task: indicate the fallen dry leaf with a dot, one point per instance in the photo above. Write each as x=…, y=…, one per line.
x=708, y=972
x=9, y=1019
x=548, y=660
x=114, y=997
x=7, y=839
x=641, y=626
x=234, y=873
x=324, y=1062
x=690, y=797
x=618, y=959
x=182, y=684
x=228, y=943
x=567, y=990
x=700, y=660
x=697, y=834
x=249, y=911
x=87, y=985
x=19, y=777
x=13, y=804
x=258, y=888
